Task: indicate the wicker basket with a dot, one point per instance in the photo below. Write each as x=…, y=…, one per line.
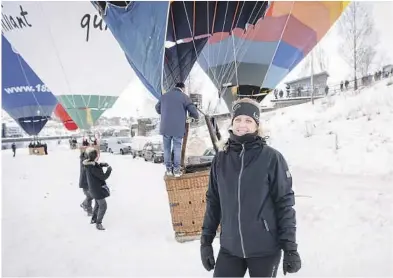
x=37, y=151
x=187, y=195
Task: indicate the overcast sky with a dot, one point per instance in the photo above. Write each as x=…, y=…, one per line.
x=137, y=101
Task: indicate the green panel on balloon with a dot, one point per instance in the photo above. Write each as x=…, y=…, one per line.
x=86, y=109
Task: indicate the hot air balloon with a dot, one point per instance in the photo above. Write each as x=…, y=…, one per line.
x=251, y=63
x=24, y=96
x=68, y=123
x=69, y=47
x=163, y=49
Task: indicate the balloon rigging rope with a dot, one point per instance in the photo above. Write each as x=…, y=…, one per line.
x=240, y=49
x=282, y=34
x=235, y=53
x=27, y=80
x=62, y=68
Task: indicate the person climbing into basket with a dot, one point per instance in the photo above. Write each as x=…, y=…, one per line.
x=96, y=180
x=173, y=107
x=250, y=195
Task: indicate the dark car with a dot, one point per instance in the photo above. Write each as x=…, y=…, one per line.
x=153, y=152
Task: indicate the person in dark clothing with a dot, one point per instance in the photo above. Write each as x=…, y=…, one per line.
x=173, y=107
x=96, y=180
x=250, y=195
x=346, y=84
x=85, y=143
x=87, y=203
x=13, y=147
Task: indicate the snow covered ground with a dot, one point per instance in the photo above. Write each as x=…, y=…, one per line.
x=344, y=201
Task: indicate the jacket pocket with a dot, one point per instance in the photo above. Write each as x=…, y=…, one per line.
x=267, y=228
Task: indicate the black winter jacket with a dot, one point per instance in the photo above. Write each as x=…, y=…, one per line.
x=82, y=173
x=96, y=179
x=250, y=195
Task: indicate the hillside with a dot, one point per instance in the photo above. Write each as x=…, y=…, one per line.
x=348, y=133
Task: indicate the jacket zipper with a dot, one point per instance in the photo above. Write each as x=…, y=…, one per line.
x=266, y=225
x=238, y=199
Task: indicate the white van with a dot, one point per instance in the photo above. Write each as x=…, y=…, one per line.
x=120, y=145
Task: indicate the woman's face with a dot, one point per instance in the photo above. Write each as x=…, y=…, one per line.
x=243, y=124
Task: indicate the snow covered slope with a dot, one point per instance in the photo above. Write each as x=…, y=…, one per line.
x=350, y=133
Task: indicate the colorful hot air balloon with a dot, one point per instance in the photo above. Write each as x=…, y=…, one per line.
x=163, y=49
x=68, y=45
x=24, y=96
x=255, y=61
x=68, y=123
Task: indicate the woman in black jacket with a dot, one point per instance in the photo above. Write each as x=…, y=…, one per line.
x=86, y=204
x=250, y=195
x=97, y=186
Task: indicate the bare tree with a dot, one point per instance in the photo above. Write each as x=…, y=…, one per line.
x=359, y=38
x=210, y=109
x=320, y=61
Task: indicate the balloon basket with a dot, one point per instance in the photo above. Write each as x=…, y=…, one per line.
x=187, y=194
x=73, y=147
x=187, y=202
x=37, y=151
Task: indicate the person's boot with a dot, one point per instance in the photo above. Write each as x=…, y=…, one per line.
x=100, y=227
x=177, y=173
x=84, y=207
x=89, y=212
x=93, y=219
x=168, y=172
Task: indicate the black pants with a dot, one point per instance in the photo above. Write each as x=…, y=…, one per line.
x=228, y=265
x=99, y=210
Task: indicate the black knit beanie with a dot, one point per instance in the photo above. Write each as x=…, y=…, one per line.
x=245, y=108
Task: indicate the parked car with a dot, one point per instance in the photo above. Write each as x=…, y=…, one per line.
x=104, y=145
x=207, y=156
x=153, y=151
x=138, y=142
x=120, y=145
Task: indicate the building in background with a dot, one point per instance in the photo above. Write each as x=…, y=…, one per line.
x=148, y=126
x=301, y=87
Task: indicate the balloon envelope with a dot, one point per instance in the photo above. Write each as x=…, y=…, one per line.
x=68, y=123
x=164, y=49
x=24, y=96
x=265, y=53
